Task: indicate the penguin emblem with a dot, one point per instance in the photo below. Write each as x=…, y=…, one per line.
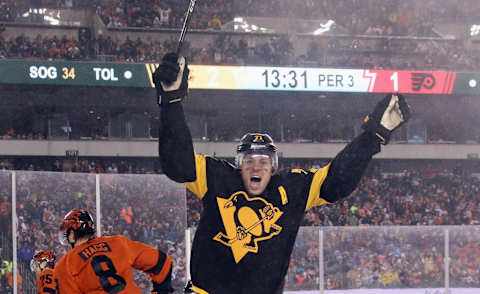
x=247, y=221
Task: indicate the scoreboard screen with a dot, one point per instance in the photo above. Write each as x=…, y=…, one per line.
x=73, y=73
x=243, y=77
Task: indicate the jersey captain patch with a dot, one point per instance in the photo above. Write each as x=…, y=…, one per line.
x=247, y=221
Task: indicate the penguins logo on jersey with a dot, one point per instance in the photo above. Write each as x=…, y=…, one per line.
x=247, y=221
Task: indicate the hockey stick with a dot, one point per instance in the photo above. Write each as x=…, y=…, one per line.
x=186, y=22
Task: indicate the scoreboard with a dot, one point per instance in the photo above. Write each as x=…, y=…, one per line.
x=243, y=77
x=73, y=73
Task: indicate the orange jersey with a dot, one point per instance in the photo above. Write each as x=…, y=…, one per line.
x=46, y=282
x=104, y=265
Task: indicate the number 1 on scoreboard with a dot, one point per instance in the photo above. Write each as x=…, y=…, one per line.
x=394, y=78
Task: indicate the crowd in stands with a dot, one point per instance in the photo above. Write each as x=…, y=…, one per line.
x=278, y=50
x=372, y=17
x=6, y=277
x=41, y=48
x=396, y=258
x=6, y=266
x=92, y=165
x=391, y=257
x=11, y=135
x=426, y=197
x=224, y=51
x=391, y=54
x=164, y=14
x=386, y=17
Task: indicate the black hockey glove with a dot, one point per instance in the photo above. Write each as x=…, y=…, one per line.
x=188, y=288
x=171, y=79
x=164, y=288
x=389, y=114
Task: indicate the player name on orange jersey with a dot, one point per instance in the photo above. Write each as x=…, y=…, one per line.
x=93, y=249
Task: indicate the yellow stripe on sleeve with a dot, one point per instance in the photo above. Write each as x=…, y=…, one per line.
x=314, y=198
x=283, y=194
x=198, y=290
x=199, y=187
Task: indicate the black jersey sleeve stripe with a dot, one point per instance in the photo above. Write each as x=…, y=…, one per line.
x=162, y=262
x=314, y=198
x=199, y=187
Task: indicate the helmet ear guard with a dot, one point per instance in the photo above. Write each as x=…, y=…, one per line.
x=256, y=143
x=33, y=265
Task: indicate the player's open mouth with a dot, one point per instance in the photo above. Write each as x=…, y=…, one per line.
x=255, y=182
x=255, y=179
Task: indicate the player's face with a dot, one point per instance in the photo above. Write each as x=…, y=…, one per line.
x=71, y=237
x=42, y=266
x=256, y=173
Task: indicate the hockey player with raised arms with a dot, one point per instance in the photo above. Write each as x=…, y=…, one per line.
x=252, y=211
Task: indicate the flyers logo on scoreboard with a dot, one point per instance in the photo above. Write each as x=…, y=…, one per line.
x=422, y=80
x=434, y=82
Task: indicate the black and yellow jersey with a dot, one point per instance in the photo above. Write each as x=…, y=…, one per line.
x=246, y=240
x=243, y=243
